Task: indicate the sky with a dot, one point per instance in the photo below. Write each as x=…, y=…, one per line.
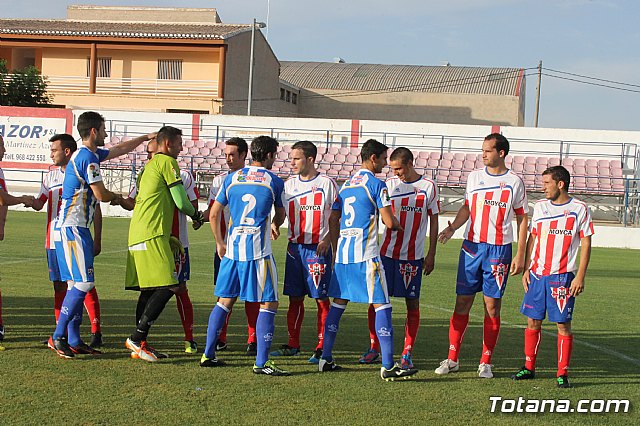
x=594, y=38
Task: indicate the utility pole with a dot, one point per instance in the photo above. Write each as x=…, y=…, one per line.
x=535, y=121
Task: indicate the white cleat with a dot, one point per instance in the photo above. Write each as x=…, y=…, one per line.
x=484, y=371
x=447, y=366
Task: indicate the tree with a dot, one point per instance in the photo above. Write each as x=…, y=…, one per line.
x=25, y=87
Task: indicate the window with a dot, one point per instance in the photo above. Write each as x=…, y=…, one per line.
x=288, y=96
x=103, y=69
x=169, y=69
x=281, y=94
x=294, y=98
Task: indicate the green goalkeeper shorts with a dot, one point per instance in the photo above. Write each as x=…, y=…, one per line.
x=150, y=264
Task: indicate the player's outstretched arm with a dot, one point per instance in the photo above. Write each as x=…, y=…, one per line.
x=103, y=194
x=517, y=265
x=389, y=219
x=128, y=146
x=577, y=285
x=126, y=203
x=526, y=279
x=7, y=199
x=461, y=218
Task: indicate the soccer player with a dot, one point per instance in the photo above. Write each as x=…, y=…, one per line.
x=415, y=202
x=151, y=266
x=559, y=226
x=247, y=267
x=82, y=188
x=493, y=196
x=358, y=275
x=308, y=199
x=62, y=148
x=235, y=152
x=182, y=261
x=6, y=200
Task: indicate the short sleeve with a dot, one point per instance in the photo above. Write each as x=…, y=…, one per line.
x=134, y=191
x=213, y=191
x=92, y=173
x=279, y=192
x=222, y=193
x=170, y=171
x=43, y=195
x=382, y=195
x=586, y=224
x=520, y=201
x=337, y=203
x=3, y=185
x=102, y=154
x=536, y=216
x=434, y=203
x=189, y=186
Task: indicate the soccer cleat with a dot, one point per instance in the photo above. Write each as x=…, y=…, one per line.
x=270, y=369
x=484, y=371
x=1, y=333
x=524, y=374
x=563, y=382
x=61, y=347
x=221, y=346
x=84, y=349
x=208, y=362
x=315, y=358
x=190, y=347
x=96, y=340
x=325, y=366
x=369, y=357
x=396, y=373
x=140, y=350
x=286, y=350
x=406, y=363
x=252, y=349
x=447, y=366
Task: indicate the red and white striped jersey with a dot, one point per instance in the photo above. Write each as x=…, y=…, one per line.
x=308, y=206
x=179, y=227
x=557, y=229
x=216, y=184
x=412, y=204
x=51, y=192
x=3, y=184
x=493, y=201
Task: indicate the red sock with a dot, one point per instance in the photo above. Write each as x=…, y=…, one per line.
x=252, y=309
x=323, y=310
x=373, y=336
x=223, y=333
x=185, y=310
x=565, y=346
x=531, y=345
x=491, y=330
x=58, y=298
x=92, y=305
x=457, y=327
x=295, y=315
x=411, y=329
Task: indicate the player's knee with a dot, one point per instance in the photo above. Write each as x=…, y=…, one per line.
x=463, y=304
x=564, y=328
x=413, y=304
x=534, y=324
x=85, y=286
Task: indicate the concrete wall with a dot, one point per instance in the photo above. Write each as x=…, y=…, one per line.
x=412, y=106
x=141, y=14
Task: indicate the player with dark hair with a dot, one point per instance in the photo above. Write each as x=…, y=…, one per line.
x=235, y=152
x=151, y=263
x=82, y=188
x=415, y=203
x=309, y=196
x=494, y=195
x=63, y=146
x=358, y=274
x=559, y=227
x=6, y=200
x=247, y=268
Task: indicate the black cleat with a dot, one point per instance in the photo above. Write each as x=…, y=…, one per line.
x=326, y=366
x=221, y=346
x=252, y=349
x=396, y=373
x=563, y=382
x=96, y=340
x=1, y=333
x=61, y=347
x=524, y=374
x=84, y=349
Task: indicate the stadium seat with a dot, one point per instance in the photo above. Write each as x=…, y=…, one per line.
x=188, y=143
x=432, y=163
x=423, y=154
x=456, y=165
x=460, y=156
x=344, y=150
x=434, y=155
x=471, y=157
x=193, y=151
x=553, y=161
x=333, y=150
x=210, y=144
x=204, y=152
x=447, y=156
x=200, y=143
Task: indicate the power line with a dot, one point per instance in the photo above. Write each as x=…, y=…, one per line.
x=593, y=78
x=590, y=83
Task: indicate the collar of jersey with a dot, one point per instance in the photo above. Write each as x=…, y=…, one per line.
x=563, y=204
x=312, y=179
x=486, y=170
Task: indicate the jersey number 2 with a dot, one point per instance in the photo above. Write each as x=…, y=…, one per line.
x=251, y=204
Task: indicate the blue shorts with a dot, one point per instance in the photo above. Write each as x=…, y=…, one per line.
x=306, y=273
x=362, y=282
x=404, y=277
x=183, y=266
x=54, y=268
x=75, y=254
x=549, y=295
x=483, y=267
x=251, y=280
x=216, y=266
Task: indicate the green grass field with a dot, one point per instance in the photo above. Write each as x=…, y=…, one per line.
x=38, y=387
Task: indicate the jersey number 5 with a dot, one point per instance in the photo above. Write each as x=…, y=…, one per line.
x=349, y=211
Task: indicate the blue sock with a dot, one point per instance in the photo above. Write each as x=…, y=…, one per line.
x=73, y=301
x=331, y=326
x=264, y=335
x=384, y=330
x=216, y=322
x=73, y=329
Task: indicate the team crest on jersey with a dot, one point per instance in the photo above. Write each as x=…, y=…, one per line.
x=314, y=188
x=408, y=271
x=316, y=270
x=176, y=173
x=566, y=213
x=502, y=185
x=385, y=194
x=560, y=295
x=499, y=272
x=93, y=169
